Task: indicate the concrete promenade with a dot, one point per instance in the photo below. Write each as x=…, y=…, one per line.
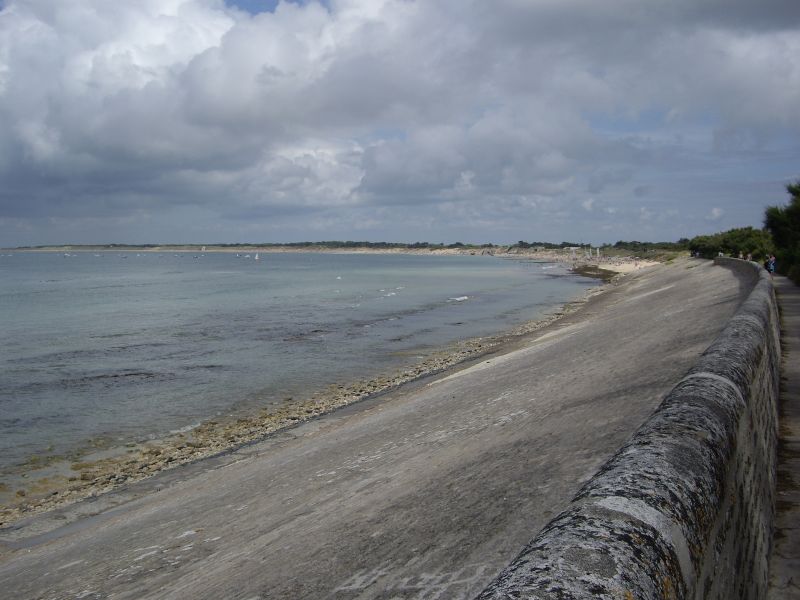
x=785, y=561
x=427, y=492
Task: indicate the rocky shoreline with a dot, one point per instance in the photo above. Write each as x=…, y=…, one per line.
x=65, y=482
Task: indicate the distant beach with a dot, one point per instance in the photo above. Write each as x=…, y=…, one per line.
x=585, y=262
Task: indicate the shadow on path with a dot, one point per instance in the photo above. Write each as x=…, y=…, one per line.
x=785, y=561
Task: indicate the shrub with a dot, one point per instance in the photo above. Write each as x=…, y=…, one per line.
x=784, y=224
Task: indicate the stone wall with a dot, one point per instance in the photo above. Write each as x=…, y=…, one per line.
x=685, y=508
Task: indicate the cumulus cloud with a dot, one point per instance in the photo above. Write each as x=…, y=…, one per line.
x=392, y=118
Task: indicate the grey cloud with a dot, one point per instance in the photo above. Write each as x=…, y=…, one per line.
x=605, y=177
x=485, y=111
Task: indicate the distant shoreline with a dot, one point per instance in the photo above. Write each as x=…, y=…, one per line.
x=599, y=267
x=369, y=247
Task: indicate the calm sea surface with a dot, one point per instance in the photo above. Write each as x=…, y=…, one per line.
x=126, y=345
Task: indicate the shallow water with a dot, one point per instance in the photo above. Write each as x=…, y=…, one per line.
x=123, y=346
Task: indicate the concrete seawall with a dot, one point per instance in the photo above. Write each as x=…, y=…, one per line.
x=685, y=508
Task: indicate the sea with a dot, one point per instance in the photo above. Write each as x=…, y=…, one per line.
x=127, y=346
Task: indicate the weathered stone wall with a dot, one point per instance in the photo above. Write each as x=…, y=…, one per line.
x=685, y=508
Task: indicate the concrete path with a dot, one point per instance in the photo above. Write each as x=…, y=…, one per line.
x=423, y=493
x=785, y=562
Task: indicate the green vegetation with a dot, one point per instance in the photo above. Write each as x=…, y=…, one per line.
x=744, y=240
x=644, y=247
x=546, y=245
x=658, y=251
x=324, y=245
x=783, y=222
x=349, y=244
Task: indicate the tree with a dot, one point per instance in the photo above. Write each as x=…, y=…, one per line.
x=746, y=240
x=784, y=224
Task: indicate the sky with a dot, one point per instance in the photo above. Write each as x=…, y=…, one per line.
x=474, y=121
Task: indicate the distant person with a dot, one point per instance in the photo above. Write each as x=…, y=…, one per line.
x=770, y=264
x=741, y=256
x=749, y=256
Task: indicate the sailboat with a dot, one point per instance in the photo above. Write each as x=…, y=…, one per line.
x=256, y=258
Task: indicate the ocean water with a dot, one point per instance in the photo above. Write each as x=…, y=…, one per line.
x=126, y=346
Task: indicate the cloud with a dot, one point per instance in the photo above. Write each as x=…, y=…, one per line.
x=488, y=120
